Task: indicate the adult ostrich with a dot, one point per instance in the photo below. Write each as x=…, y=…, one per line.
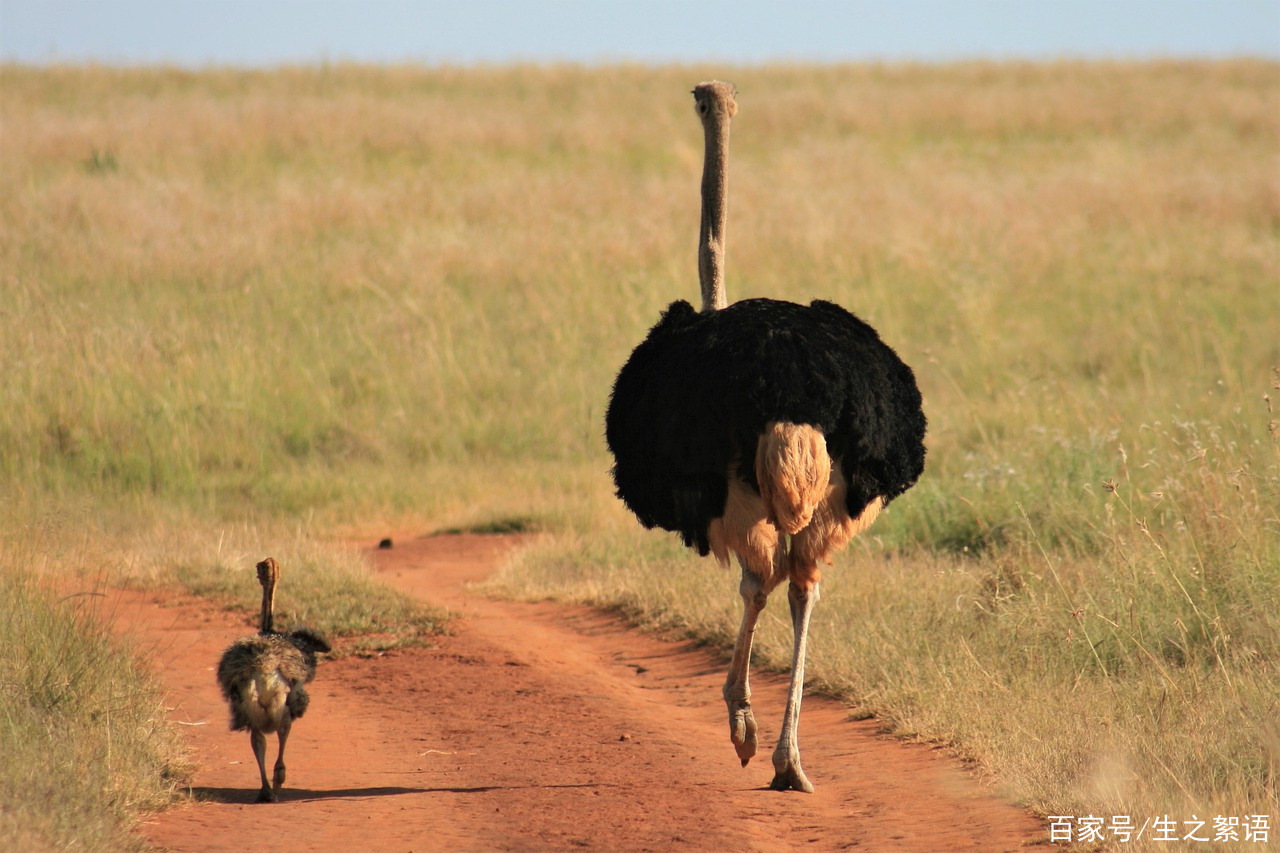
x=768, y=429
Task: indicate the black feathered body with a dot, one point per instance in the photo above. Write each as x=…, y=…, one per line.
x=262, y=677
x=690, y=404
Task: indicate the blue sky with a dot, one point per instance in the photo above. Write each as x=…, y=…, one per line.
x=270, y=32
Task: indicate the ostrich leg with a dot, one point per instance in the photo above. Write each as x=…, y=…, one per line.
x=788, y=774
x=258, y=741
x=277, y=778
x=737, y=689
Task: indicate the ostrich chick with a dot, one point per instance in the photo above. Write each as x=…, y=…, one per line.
x=262, y=678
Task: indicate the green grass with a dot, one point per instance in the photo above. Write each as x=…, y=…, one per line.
x=86, y=745
x=274, y=307
x=323, y=586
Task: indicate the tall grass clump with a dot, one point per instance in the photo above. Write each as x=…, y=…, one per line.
x=82, y=728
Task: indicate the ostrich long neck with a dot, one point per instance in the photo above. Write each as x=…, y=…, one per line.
x=711, y=235
x=267, y=624
x=268, y=576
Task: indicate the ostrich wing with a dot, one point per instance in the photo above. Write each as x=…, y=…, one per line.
x=689, y=405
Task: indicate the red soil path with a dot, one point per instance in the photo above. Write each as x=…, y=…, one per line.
x=538, y=727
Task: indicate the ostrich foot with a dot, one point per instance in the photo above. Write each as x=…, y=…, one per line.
x=788, y=775
x=742, y=730
x=791, y=779
x=266, y=795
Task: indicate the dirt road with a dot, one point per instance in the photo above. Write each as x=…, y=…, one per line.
x=539, y=727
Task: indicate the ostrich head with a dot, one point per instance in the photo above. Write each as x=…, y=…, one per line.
x=715, y=103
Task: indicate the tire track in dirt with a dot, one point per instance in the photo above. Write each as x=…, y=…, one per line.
x=538, y=726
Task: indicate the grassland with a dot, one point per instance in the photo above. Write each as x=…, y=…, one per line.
x=279, y=306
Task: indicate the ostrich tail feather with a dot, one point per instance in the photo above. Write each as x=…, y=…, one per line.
x=794, y=472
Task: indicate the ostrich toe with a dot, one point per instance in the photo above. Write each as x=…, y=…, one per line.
x=742, y=731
